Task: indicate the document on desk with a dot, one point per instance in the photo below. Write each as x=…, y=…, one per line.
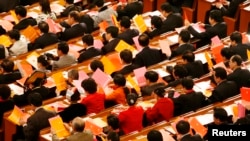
x=17, y=90
x=32, y=59
x=205, y=118
x=100, y=122
x=94, y=127
x=173, y=39
x=161, y=72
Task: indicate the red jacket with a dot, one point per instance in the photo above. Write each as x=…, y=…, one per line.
x=131, y=119
x=94, y=102
x=162, y=110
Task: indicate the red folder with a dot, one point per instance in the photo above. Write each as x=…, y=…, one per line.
x=245, y=93
x=216, y=49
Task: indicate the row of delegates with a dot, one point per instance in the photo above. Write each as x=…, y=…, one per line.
x=77, y=131
x=7, y=72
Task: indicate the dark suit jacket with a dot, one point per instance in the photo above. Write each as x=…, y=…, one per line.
x=89, y=53
x=10, y=77
x=73, y=111
x=223, y=91
x=35, y=123
x=147, y=90
x=195, y=69
x=188, y=102
x=241, y=49
x=181, y=49
x=172, y=21
x=43, y=41
x=148, y=57
x=154, y=33
x=125, y=70
x=110, y=46
x=76, y=30
x=130, y=10
x=241, y=77
x=189, y=137
x=128, y=35
x=25, y=23
x=5, y=5
x=2, y=30
x=70, y=8
x=232, y=8
x=187, y=3
x=5, y=106
x=219, y=29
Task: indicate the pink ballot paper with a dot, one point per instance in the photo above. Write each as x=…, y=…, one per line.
x=139, y=75
x=138, y=46
x=216, y=40
x=101, y=78
x=98, y=44
x=164, y=45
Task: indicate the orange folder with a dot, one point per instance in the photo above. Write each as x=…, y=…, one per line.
x=96, y=130
x=17, y=114
x=5, y=41
x=140, y=23
x=110, y=67
x=60, y=81
x=103, y=25
x=216, y=49
x=30, y=33
x=56, y=124
x=197, y=126
x=245, y=93
x=115, y=59
x=24, y=67
x=123, y=45
x=248, y=54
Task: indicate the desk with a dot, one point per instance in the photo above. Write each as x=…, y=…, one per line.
x=244, y=19
x=203, y=7
x=10, y=127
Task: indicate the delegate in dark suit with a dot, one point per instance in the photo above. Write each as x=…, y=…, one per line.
x=89, y=53
x=130, y=10
x=219, y=29
x=188, y=102
x=232, y=8
x=128, y=35
x=148, y=57
x=195, y=69
x=35, y=123
x=172, y=21
x=125, y=70
x=241, y=49
x=181, y=49
x=223, y=90
x=43, y=41
x=24, y=23
x=5, y=105
x=10, y=77
x=189, y=137
x=241, y=77
x=76, y=30
x=74, y=110
x=110, y=46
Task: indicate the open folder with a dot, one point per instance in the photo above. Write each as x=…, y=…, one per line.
x=56, y=124
x=140, y=23
x=17, y=114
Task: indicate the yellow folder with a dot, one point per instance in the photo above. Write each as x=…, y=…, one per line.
x=60, y=81
x=110, y=67
x=123, y=45
x=140, y=23
x=5, y=40
x=56, y=124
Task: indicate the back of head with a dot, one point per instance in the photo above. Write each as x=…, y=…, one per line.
x=14, y=34
x=73, y=74
x=113, y=31
x=113, y=121
x=166, y=7
x=45, y=4
x=98, y=3
x=156, y=21
x=95, y=64
x=119, y=80
x=182, y=127
x=113, y=136
x=185, y=35
x=78, y=124
x=160, y=92
x=220, y=73
x=5, y=91
x=63, y=47
x=131, y=99
x=75, y=15
x=180, y=71
x=127, y=56
x=221, y=114
x=187, y=83
x=152, y=76
x=43, y=26
x=89, y=85
x=35, y=99
x=236, y=36
x=21, y=11
x=88, y=39
x=237, y=59
x=125, y=22
x=227, y=53
x=43, y=60
x=7, y=65
x=143, y=40
x=188, y=56
x=154, y=135
x=216, y=15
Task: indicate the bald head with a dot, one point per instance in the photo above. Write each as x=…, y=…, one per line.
x=78, y=124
